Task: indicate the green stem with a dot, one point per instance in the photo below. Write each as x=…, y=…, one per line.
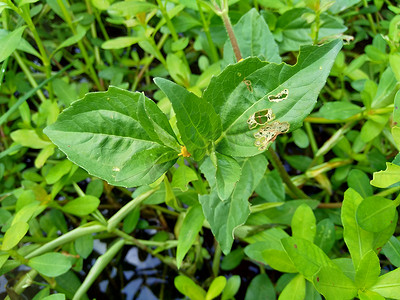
x=216, y=259
x=231, y=34
x=68, y=237
x=100, y=264
x=92, y=73
x=214, y=53
x=3, y=70
x=125, y=210
x=369, y=17
x=24, y=282
x=276, y=162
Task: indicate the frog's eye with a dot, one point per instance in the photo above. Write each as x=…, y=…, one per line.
x=279, y=97
x=261, y=117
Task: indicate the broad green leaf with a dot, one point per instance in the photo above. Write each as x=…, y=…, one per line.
x=368, y=295
x=346, y=266
x=293, y=30
x=271, y=187
x=333, y=284
x=279, y=260
x=29, y=138
x=54, y=297
x=225, y=216
x=359, y=181
x=102, y=133
x=394, y=60
x=156, y=124
x=216, y=288
x=368, y=271
x=198, y=124
x=178, y=70
x=373, y=127
x=295, y=289
x=283, y=214
x=260, y=288
x=231, y=288
x=121, y=42
x=388, y=285
x=325, y=236
x=387, y=88
x=3, y=258
x=182, y=176
x=339, y=110
x=306, y=256
x=232, y=260
x=304, y=223
x=50, y=264
x=82, y=206
x=375, y=213
x=186, y=286
x=358, y=240
x=58, y=171
x=65, y=92
x=392, y=251
x=254, y=39
x=131, y=220
x=269, y=239
x=10, y=42
x=386, y=178
x=14, y=235
x=224, y=172
x=80, y=33
x=189, y=231
x=130, y=8
x=23, y=45
x=84, y=245
x=244, y=89
x=300, y=138
x=340, y=5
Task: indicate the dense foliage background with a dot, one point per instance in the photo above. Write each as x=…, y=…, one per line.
x=223, y=219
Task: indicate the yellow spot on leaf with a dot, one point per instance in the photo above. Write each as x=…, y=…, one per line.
x=116, y=169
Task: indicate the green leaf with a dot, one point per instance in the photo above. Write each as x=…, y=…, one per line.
x=50, y=264
x=182, y=176
x=358, y=240
x=368, y=295
x=197, y=122
x=178, y=70
x=54, y=297
x=225, y=216
x=279, y=260
x=232, y=260
x=340, y=5
x=82, y=206
x=392, y=251
x=388, y=285
x=131, y=220
x=368, y=271
x=260, y=288
x=306, y=256
x=271, y=187
x=373, y=127
x=386, y=178
x=359, y=181
x=254, y=39
x=121, y=42
x=10, y=42
x=295, y=289
x=84, y=245
x=186, y=286
x=58, y=171
x=216, y=287
x=325, y=236
x=130, y=8
x=333, y=284
x=14, y=235
x=80, y=33
x=102, y=134
x=242, y=90
x=29, y=138
x=304, y=223
x=231, y=288
x=190, y=229
x=65, y=92
x=339, y=110
x=293, y=30
x=387, y=88
x=300, y=138
x=375, y=213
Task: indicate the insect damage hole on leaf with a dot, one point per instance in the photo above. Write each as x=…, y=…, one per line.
x=260, y=117
x=248, y=85
x=283, y=95
x=268, y=133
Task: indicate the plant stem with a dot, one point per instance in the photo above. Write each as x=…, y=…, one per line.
x=216, y=259
x=369, y=17
x=231, y=34
x=24, y=282
x=276, y=162
x=214, y=53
